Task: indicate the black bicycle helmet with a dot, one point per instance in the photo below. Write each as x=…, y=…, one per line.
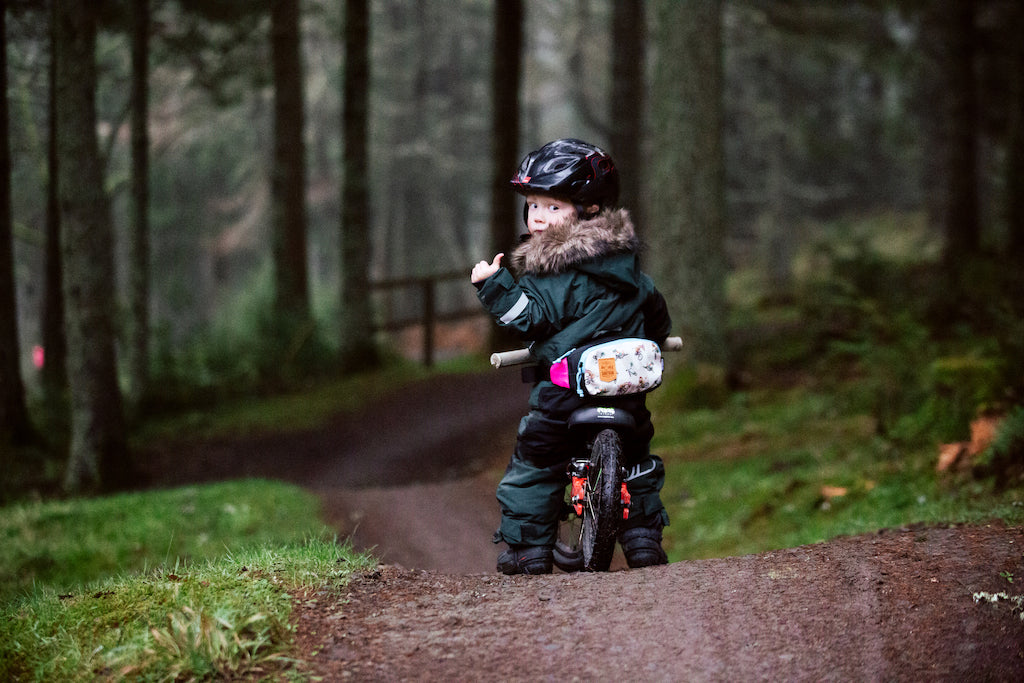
x=578, y=171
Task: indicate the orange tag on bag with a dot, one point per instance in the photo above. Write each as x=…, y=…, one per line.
x=606, y=369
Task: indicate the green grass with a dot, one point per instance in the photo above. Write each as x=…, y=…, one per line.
x=57, y=543
x=751, y=477
x=191, y=583
x=214, y=619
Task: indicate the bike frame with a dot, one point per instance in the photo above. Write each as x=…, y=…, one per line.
x=593, y=419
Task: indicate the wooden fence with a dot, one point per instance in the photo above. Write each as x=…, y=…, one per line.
x=429, y=316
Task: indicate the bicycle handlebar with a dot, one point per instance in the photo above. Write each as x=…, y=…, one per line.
x=522, y=356
x=517, y=357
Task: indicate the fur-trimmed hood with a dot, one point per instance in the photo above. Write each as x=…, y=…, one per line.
x=559, y=249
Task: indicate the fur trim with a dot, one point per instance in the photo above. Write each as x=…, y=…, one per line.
x=558, y=249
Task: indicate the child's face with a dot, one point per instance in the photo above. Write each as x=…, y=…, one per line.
x=545, y=211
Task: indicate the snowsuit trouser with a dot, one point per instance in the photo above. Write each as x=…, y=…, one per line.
x=531, y=493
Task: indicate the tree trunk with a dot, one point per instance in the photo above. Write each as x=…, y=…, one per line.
x=357, y=347
x=962, y=220
x=629, y=36
x=506, y=77
x=14, y=421
x=687, y=185
x=505, y=82
x=98, y=451
x=1014, y=174
x=54, y=373
x=288, y=174
x=138, y=231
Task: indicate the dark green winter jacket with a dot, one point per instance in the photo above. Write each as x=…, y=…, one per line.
x=577, y=283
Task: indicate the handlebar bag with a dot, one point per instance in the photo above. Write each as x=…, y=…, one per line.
x=611, y=368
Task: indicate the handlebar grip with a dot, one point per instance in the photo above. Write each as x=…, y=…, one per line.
x=517, y=357
x=672, y=344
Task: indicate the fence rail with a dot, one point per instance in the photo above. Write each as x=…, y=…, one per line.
x=429, y=315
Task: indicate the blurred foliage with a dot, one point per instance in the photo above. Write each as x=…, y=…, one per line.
x=691, y=387
x=1004, y=460
x=930, y=347
x=841, y=390
x=782, y=469
x=248, y=348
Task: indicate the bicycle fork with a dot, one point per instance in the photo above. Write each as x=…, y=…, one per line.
x=579, y=494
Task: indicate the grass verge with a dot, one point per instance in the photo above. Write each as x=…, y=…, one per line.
x=779, y=469
x=223, y=612
x=63, y=542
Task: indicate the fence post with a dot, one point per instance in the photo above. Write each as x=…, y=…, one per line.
x=430, y=316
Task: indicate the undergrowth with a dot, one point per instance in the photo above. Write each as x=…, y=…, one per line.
x=781, y=469
x=847, y=385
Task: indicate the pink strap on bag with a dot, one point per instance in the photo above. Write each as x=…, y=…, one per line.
x=560, y=373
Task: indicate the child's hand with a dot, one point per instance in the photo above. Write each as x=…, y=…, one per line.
x=484, y=270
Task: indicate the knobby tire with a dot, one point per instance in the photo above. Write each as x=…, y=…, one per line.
x=603, y=510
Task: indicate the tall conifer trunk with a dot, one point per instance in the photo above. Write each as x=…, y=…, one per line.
x=629, y=36
x=138, y=231
x=54, y=373
x=505, y=84
x=1014, y=173
x=962, y=211
x=98, y=454
x=288, y=174
x=356, y=313
x=14, y=422
x=687, y=183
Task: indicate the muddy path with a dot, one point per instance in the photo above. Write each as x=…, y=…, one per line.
x=892, y=606
x=413, y=478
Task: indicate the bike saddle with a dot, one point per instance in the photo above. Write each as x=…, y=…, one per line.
x=602, y=415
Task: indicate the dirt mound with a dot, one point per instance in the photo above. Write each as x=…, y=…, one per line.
x=898, y=605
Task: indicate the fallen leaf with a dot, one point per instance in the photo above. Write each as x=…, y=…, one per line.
x=949, y=455
x=983, y=432
x=830, y=492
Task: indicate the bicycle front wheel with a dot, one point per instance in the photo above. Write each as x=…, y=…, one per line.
x=603, y=505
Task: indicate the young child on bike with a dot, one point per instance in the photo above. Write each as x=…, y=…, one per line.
x=577, y=280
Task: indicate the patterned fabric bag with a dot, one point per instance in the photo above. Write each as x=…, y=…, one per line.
x=611, y=368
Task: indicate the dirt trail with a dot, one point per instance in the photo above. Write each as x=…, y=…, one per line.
x=893, y=606
x=414, y=477
x=441, y=526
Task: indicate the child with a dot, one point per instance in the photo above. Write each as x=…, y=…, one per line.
x=577, y=280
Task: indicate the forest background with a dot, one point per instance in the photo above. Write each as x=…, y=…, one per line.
x=198, y=196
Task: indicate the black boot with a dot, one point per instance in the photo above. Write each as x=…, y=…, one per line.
x=525, y=559
x=642, y=546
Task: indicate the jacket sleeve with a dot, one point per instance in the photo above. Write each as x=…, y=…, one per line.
x=657, y=322
x=530, y=315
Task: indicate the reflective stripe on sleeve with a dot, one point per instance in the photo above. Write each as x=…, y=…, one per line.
x=514, y=312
